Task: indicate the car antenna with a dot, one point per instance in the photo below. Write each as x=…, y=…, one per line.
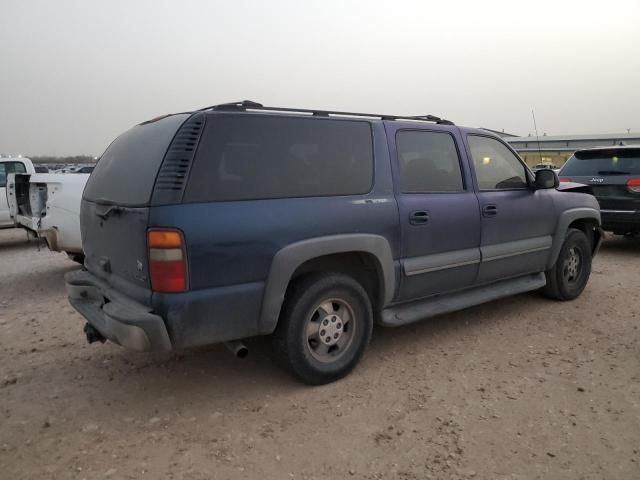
x=535, y=127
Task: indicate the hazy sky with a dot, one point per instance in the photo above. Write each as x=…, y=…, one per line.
x=75, y=74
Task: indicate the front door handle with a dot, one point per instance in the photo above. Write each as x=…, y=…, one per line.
x=419, y=217
x=490, y=210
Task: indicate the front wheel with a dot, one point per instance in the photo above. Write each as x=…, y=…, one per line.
x=324, y=328
x=569, y=276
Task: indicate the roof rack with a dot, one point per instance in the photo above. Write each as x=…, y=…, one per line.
x=250, y=105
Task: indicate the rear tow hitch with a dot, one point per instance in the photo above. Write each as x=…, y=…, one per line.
x=93, y=335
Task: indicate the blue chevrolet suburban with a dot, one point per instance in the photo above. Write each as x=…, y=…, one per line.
x=240, y=220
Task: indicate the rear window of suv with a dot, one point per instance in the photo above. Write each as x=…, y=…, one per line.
x=603, y=162
x=250, y=157
x=127, y=170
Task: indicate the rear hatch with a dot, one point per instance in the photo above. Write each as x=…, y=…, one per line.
x=612, y=173
x=115, y=206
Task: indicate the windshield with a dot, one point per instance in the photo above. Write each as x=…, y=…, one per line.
x=603, y=162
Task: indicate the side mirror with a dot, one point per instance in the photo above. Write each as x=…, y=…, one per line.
x=546, y=178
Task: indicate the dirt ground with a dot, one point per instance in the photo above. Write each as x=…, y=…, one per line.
x=516, y=389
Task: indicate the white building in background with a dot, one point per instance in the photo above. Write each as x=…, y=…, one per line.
x=558, y=148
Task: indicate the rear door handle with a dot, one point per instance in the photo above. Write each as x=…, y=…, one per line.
x=490, y=210
x=419, y=217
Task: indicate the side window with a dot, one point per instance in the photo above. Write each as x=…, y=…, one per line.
x=428, y=162
x=497, y=168
x=18, y=167
x=248, y=157
x=9, y=167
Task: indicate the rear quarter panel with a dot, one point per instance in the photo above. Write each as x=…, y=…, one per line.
x=230, y=243
x=231, y=246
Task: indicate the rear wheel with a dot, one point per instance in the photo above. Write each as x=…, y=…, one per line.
x=569, y=276
x=324, y=328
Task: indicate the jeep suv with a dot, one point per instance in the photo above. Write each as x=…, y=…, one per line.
x=614, y=176
x=242, y=220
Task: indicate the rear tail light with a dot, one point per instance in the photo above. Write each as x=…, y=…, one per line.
x=633, y=185
x=167, y=260
x=564, y=179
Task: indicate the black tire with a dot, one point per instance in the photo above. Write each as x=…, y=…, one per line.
x=565, y=280
x=301, y=353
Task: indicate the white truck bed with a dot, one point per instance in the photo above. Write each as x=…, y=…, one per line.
x=48, y=204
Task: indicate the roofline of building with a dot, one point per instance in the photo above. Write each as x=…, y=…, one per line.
x=547, y=150
x=565, y=138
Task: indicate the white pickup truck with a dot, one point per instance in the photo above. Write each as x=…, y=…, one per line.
x=47, y=204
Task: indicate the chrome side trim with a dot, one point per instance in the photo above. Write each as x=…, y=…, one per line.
x=441, y=267
x=441, y=261
x=513, y=254
x=631, y=212
x=473, y=256
x=515, y=248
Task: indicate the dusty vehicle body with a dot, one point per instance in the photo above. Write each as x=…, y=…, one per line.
x=241, y=220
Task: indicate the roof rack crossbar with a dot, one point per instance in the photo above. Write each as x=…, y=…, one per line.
x=250, y=105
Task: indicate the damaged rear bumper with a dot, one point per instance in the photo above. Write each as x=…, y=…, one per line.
x=116, y=317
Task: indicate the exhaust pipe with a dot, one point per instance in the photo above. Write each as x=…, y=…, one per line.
x=238, y=348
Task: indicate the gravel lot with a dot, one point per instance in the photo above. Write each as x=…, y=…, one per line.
x=519, y=388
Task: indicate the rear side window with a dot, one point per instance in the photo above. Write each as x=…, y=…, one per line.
x=603, y=162
x=497, y=168
x=127, y=170
x=245, y=157
x=428, y=162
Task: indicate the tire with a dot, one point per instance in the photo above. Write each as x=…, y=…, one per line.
x=568, y=278
x=319, y=304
